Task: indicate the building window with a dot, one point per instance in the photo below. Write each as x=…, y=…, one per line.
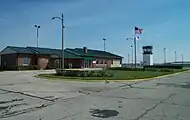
x=97, y=62
x=111, y=61
x=70, y=65
x=25, y=61
x=102, y=62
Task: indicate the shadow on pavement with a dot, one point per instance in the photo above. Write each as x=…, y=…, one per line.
x=103, y=113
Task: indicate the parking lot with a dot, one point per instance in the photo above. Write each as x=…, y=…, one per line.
x=25, y=97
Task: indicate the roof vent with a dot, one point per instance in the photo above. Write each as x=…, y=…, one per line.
x=85, y=49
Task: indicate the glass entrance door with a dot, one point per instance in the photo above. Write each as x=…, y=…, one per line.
x=86, y=64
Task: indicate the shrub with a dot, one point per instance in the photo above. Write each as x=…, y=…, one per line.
x=78, y=73
x=166, y=70
x=91, y=73
x=109, y=74
x=59, y=72
x=82, y=74
x=100, y=74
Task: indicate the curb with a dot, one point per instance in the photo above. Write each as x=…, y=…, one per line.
x=146, y=79
x=132, y=80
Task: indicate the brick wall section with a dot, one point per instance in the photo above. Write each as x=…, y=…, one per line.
x=9, y=61
x=43, y=62
x=20, y=59
x=76, y=63
x=52, y=63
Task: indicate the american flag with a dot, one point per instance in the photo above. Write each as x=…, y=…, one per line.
x=138, y=30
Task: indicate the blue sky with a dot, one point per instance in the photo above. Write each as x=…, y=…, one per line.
x=165, y=24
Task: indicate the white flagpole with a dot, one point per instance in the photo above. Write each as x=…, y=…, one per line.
x=135, y=49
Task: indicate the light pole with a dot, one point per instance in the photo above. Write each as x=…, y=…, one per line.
x=128, y=58
x=131, y=55
x=62, y=26
x=104, y=39
x=175, y=56
x=37, y=35
x=165, y=55
x=182, y=58
x=135, y=50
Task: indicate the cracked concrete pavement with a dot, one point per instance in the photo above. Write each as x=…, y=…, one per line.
x=24, y=97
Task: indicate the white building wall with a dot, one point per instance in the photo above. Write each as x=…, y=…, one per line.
x=151, y=60
x=147, y=59
x=116, y=63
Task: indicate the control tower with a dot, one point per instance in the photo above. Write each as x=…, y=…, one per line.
x=147, y=55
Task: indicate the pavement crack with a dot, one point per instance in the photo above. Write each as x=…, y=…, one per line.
x=125, y=85
x=29, y=95
x=126, y=98
x=4, y=92
x=148, y=110
x=10, y=101
x=143, y=88
x=11, y=106
x=19, y=112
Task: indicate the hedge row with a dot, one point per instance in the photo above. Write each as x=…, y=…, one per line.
x=79, y=73
x=144, y=69
x=168, y=66
x=126, y=69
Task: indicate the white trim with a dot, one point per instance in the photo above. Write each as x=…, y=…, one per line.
x=25, y=64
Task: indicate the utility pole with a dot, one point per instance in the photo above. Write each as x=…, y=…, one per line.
x=128, y=58
x=175, y=56
x=165, y=55
x=104, y=39
x=135, y=50
x=131, y=55
x=37, y=34
x=134, y=39
x=182, y=58
x=62, y=26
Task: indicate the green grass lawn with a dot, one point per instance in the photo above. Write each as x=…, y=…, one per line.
x=117, y=75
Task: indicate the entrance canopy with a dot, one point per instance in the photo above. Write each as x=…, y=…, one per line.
x=89, y=58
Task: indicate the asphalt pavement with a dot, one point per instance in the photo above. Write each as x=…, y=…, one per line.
x=25, y=97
